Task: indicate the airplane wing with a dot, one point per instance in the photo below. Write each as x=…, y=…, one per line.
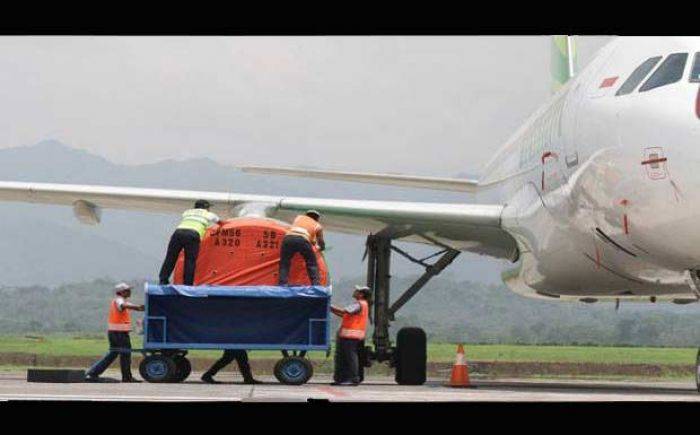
x=435, y=183
x=467, y=227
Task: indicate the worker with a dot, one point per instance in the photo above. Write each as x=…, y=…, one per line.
x=241, y=357
x=118, y=327
x=187, y=236
x=350, y=337
x=305, y=233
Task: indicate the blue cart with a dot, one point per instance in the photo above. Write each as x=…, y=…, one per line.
x=293, y=320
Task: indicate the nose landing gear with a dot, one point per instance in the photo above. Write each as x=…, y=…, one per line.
x=409, y=356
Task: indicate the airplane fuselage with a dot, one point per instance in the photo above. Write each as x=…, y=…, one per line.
x=602, y=191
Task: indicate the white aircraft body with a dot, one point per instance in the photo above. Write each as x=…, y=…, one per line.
x=600, y=189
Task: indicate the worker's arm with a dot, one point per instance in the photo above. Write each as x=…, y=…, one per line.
x=349, y=309
x=319, y=240
x=337, y=311
x=214, y=219
x=130, y=306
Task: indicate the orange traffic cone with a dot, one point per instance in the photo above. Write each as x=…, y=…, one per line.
x=460, y=371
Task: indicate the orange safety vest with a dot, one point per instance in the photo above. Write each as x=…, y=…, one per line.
x=353, y=326
x=118, y=320
x=306, y=227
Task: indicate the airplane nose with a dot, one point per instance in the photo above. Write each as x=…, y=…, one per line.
x=661, y=139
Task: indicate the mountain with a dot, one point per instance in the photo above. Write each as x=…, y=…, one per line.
x=45, y=245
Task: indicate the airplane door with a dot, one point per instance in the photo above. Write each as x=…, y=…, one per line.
x=581, y=130
x=560, y=158
x=570, y=158
x=558, y=153
x=552, y=175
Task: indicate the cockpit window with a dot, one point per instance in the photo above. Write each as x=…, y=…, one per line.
x=670, y=71
x=695, y=71
x=638, y=75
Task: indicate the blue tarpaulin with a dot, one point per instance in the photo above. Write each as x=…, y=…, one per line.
x=251, y=317
x=241, y=291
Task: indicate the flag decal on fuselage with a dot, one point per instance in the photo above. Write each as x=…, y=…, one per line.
x=608, y=82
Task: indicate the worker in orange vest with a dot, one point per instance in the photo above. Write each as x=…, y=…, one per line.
x=350, y=337
x=305, y=232
x=118, y=327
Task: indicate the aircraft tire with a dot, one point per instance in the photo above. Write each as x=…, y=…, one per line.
x=697, y=371
x=410, y=356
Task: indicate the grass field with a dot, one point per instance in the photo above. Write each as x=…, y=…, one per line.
x=67, y=345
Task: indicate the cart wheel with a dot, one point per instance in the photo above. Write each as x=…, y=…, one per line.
x=157, y=368
x=293, y=370
x=183, y=368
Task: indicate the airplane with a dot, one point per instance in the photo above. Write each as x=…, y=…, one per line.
x=598, y=194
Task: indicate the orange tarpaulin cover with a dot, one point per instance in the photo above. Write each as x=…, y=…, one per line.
x=246, y=251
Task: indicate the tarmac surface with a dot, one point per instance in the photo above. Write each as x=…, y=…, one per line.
x=13, y=386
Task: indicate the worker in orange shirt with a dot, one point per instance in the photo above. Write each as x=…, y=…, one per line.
x=305, y=232
x=350, y=337
x=118, y=327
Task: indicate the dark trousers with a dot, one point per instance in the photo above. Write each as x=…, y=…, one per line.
x=347, y=362
x=241, y=357
x=117, y=340
x=181, y=239
x=297, y=244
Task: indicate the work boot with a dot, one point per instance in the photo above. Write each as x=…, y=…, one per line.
x=252, y=381
x=92, y=378
x=209, y=379
x=131, y=381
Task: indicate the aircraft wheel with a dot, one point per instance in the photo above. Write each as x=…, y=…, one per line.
x=410, y=356
x=697, y=371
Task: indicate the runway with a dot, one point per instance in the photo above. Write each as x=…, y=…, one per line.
x=14, y=387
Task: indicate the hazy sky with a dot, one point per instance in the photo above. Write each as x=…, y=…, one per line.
x=425, y=105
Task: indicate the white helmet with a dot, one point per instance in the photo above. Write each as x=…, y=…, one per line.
x=122, y=286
